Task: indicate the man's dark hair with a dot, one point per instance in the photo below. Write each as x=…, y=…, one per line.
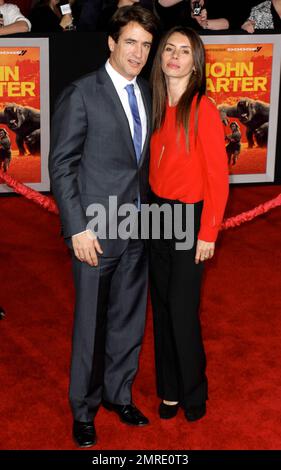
x=136, y=14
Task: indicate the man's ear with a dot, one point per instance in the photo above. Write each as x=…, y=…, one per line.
x=111, y=43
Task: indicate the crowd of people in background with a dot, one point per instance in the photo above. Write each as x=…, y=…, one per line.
x=51, y=16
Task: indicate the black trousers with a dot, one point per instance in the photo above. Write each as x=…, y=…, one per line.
x=175, y=293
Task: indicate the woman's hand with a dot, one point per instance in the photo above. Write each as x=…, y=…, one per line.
x=249, y=26
x=202, y=19
x=66, y=20
x=204, y=251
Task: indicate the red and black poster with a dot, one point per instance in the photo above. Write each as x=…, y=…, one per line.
x=243, y=81
x=24, y=111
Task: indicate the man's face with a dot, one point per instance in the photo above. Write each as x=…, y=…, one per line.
x=129, y=55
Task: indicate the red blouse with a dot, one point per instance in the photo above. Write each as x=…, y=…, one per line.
x=200, y=173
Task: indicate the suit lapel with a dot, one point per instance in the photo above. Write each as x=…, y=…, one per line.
x=117, y=108
x=109, y=88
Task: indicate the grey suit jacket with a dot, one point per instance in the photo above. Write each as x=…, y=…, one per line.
x=92, y=153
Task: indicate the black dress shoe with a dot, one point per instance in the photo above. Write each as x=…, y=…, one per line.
x=168, y=411
x=84, y=434
x=193, y=413
x=128, y=414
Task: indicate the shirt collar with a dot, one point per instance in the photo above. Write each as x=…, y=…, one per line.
x=118, y=80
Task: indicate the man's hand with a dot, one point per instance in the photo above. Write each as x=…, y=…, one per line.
x=204, y=251
x=85, y=246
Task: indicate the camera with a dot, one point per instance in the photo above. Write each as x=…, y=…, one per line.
x=196, y=8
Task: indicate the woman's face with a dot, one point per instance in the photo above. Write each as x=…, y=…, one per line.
x=177, y=57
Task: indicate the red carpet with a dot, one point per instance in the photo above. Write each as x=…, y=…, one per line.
x=241, y=323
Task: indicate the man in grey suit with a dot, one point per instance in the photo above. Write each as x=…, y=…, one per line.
x=99, y=148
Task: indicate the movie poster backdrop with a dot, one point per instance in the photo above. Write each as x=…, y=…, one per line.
x=24, y=111
x=243, y=80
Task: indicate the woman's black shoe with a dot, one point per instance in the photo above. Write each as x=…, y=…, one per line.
x=168, y=411
x=193, y=413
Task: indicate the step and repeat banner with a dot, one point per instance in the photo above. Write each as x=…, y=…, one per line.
x=24, y=111
x=243, y=80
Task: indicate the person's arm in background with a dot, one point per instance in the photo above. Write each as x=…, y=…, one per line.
x=216, y=24
x=126, y=3
x=209, y=23
x=259, y=15
x=249, y=24
x=169, y=3
x=202, y=19
x=44, y=21
x=14, y=22
x=14, y=28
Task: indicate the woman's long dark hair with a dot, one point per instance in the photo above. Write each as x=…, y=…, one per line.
x=196, y=84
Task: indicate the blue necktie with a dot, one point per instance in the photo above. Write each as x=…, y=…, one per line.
x=136, y=118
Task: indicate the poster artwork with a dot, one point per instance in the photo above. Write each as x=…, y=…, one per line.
x=239, y=83
x=20, y=152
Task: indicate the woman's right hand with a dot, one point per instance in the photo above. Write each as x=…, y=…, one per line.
x=204, y=250
x=66, y=20
x=249, y=26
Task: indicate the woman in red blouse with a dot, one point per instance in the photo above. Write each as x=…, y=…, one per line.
x=188, y=171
